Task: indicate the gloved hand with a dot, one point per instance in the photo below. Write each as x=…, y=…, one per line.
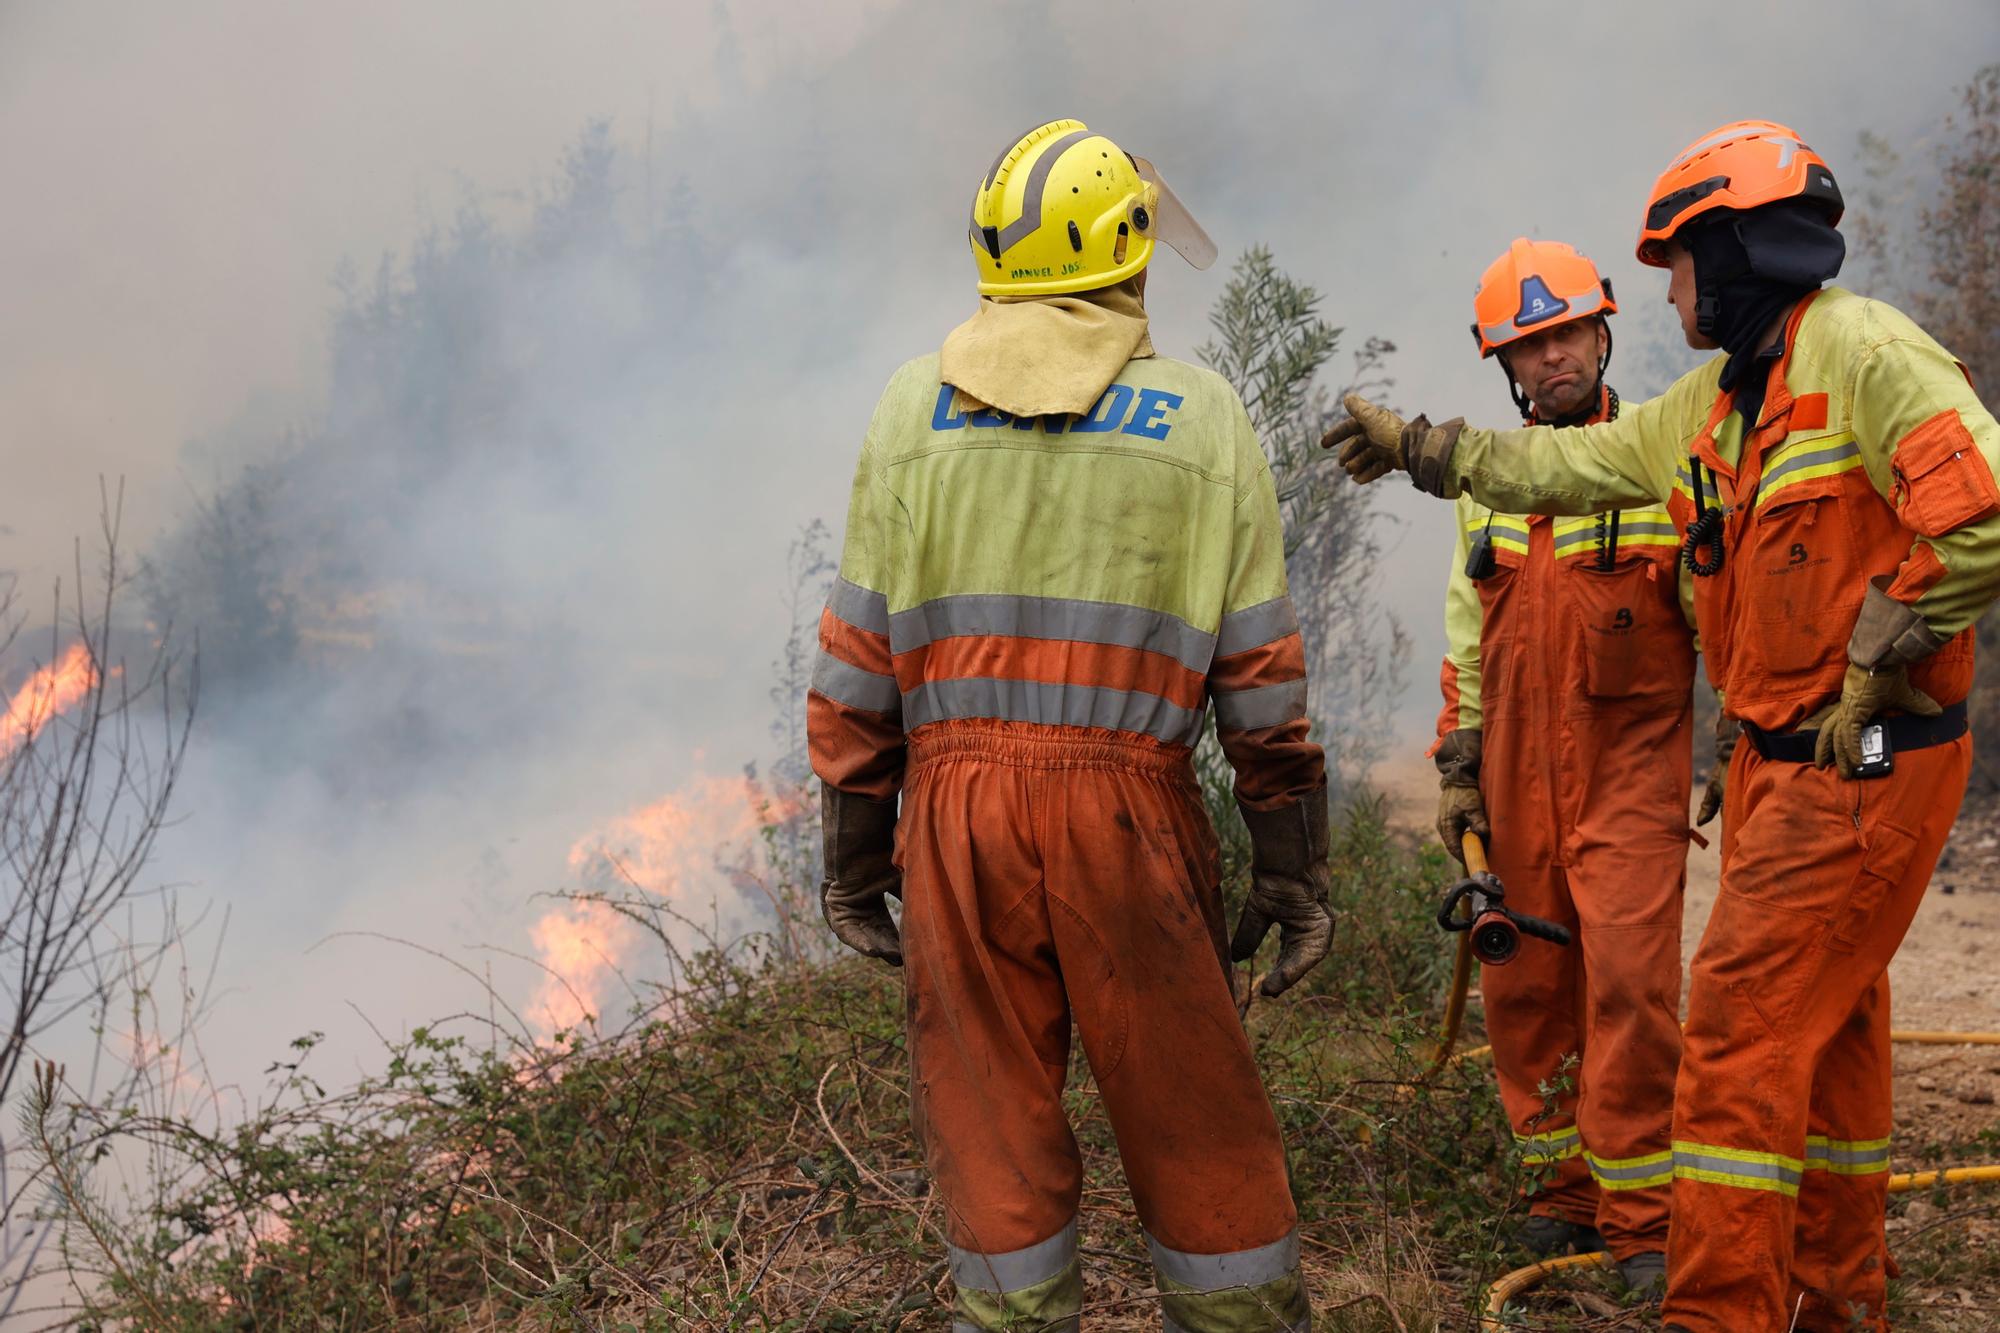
x=1727, y=732
x=1864, y=694
x=1460, y=808
x=859, y=837
x=1461, y=811
x=1375, y=442
x=1289, y=878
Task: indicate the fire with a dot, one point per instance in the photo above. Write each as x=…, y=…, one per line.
x=47, y=693
x=695, y=850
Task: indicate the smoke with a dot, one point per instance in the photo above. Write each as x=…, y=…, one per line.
x=485, y=539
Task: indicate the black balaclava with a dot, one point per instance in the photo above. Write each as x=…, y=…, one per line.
x=1750, y=268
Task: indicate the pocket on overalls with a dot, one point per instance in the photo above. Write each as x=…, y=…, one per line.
x=1798, y=579
x=1884, y=862
x=1628, y=622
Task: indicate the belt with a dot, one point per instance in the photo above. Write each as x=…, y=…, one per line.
x=1905, y=733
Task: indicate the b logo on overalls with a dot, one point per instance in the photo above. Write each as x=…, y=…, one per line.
x=1623, y=620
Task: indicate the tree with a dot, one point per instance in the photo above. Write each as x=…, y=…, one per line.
x=91, y=745
x=1272, y=345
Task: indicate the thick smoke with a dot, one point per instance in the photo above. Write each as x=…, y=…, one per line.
x=508, y=562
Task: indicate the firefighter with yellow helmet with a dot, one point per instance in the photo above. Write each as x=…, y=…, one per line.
x=1563, y=743
x=1062, y=552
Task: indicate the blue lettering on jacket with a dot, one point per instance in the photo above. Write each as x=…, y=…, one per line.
x=1146, y=417
x=1142, y=414
x=1107, y=414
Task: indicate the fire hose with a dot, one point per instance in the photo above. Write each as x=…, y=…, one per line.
x=1474, y=909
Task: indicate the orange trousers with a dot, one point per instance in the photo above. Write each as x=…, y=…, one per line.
x=1783, y=1113
x=1062, y=874
x=1590, y=829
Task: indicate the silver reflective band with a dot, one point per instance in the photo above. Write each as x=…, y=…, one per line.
x=1635, y=1172
x=1255, y=626
x=1215, y=1272
x=1015, y=1270
x=1688, y=1159
x=1830, y=454
x=1846, y=1158
x=845, y=683
x=1052, y=618
x=1030, y=220
x=1625, y=529
x=1053, y=705
x=859, y=607
x=1265, y=706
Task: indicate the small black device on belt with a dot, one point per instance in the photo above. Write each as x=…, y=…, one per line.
x=1879, y=740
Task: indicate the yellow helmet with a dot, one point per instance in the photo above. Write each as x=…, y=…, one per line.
x=1066, y=210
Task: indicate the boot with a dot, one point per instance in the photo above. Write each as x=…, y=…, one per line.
x=1644, y=1275
x=1545, y=1236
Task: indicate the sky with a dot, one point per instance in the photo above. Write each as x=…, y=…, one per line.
x=185, y=183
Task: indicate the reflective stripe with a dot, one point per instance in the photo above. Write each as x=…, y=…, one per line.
x=1739, y=1167
x=1825, y=460
x=1215, y=1272
x=1582, y=305
x=1557, y=1145
x=1844, y=1157
x=1632, y=1173
x=859, y=607
x=1015, y=1269
x=1049, y=704
x=845, y=683
x=1265, y=706
x=1052, y=618
x=1256, y=626
x=1627, y=531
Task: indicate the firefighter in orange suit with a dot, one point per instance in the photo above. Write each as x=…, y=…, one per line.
x=1062, y=550
x=1833, y=472
x=1567, y=690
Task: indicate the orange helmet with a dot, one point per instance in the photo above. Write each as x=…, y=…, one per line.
x=1740, y=166
x=1536, y=285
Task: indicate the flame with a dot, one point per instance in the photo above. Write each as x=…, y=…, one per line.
x=692, y=849
x=47, y=693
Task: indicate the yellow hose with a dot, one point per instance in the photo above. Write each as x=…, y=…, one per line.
x=1461, y=968
x=1914, y=1038
x=1521, y=1279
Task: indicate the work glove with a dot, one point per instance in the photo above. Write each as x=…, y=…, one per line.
x=859, y=837
x=1289, y=878
x=1727, y=732
x=1460, y=807
x=1864, y=694
x=1889, y=636
x=1374, y=442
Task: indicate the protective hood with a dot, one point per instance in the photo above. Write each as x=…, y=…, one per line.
x=1751, y=267
x=1033, y=356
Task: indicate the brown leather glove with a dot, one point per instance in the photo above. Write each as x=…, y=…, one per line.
x=859, y=837
x=1289, y=878
x=1374, y=442
x=1727, y=732
x=1864, y=695
x=1460, y=807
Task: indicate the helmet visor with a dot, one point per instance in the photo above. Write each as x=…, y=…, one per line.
x=1173, y=223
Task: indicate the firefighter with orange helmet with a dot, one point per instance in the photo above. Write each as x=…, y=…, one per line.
x=1566, y=704
x=1832, y=472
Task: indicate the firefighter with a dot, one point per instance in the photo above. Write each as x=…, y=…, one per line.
x=1833, y=472
x=1567, y=693
x=1061, y=551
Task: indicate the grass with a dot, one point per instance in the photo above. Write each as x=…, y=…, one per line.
x=740, y=1157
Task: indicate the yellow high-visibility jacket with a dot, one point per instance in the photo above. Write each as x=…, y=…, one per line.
x=1116, y=571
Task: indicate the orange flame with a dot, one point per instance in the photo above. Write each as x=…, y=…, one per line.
x=687, y=848
x=47, y=693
